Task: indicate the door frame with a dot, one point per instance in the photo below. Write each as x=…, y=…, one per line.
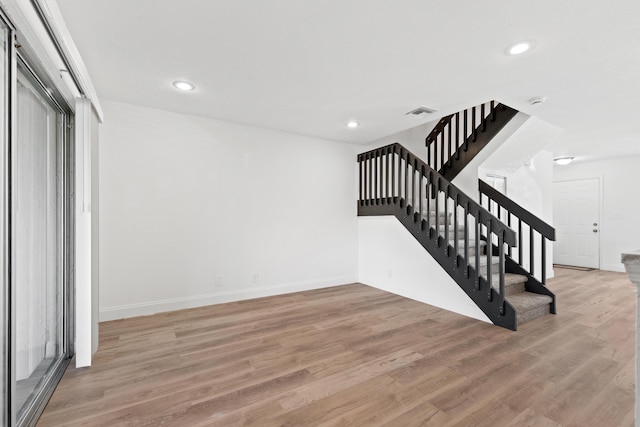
x=600, y=179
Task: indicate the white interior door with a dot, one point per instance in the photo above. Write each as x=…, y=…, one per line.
x=576, y=217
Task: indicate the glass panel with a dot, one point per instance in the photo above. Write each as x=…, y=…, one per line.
x=4, y=286
x=37, y=243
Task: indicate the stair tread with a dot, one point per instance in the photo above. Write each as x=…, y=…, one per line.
x=524, y=301
x=510, y=279
x=472, y=242
x=495, y=260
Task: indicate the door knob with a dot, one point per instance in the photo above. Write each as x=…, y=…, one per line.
x=595, y=230
x=595, y=224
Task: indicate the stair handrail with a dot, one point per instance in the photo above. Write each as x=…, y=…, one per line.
x=454, y=135
x=504, y=206
x=389, y=175
x=464, y=134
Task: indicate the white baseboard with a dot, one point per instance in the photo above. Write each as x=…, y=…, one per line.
x=153, y=307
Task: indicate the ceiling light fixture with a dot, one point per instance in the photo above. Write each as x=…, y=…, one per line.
x=183, y=86
x=563, y=161
x=353, y=124
x=538, y=100
x=423, y=109
x=520, y=47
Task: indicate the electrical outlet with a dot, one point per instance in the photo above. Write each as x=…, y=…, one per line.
x=255, y=278
x=218, y=281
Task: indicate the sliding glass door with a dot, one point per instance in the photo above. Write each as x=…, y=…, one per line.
x=39, y=241
x=35, y=233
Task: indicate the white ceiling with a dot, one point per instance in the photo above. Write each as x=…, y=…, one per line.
x=308, y=67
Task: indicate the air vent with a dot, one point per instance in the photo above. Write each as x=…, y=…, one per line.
x=422, y=110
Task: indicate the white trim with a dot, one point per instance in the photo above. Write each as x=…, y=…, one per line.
x=70, y=51
x=153, y=307
x=82, y=261
x=33, y=34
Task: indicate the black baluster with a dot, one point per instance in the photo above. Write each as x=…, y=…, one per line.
x=375, y=176
x=429, y=191
x=544, y=259
x=413, y=186
x=369, y=181
x=477, y=257
x=473, y=123
x=446, y=221
x=450, y=143
x=455, y=231
x=441, y=152
x=393, y=174
x=434, y=165
x=457, y=144
x=465, y=133
x=502, y=270
x=466, y=239
x=489, y=258
x=406, y=179
x=531, y=257
x=420, y=175
x=509, y=224
x=359, y=180
x=520, y=242
x=436, y=216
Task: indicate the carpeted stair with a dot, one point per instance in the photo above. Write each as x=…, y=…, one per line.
x=528, y=305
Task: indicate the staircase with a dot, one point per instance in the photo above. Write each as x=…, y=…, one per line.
x=474, y=244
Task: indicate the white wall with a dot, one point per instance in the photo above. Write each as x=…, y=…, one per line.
x=391, y=259
x=196, y=211
x=467, y=179
x=620, y=204
x=412, y=139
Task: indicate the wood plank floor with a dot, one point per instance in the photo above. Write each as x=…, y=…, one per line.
x=355, y=355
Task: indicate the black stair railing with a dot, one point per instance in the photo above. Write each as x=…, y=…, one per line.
x=533, y=233
x=459, y=137
x=447, y=222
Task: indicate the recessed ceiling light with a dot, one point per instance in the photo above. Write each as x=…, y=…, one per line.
x=520, y=47
x=353, y=124
x=563, y=161
x=184, y=86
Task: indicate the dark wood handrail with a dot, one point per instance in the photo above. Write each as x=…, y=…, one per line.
x=515, y=213
x=506, y=203
x=485, y=217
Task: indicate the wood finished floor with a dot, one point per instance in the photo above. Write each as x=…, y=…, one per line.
x=355, y=355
